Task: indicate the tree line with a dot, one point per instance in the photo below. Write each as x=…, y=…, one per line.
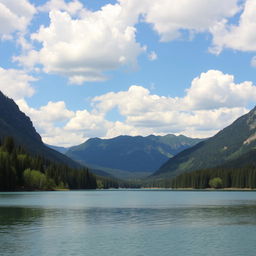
x=20, y=170
x=219, y=177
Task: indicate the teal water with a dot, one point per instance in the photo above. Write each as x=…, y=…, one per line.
x=128, y=222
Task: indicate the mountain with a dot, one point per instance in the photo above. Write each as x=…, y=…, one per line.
x=227, y=147
x=62, y=150
x=247, y=159
x=130, y=154
x=16, y=124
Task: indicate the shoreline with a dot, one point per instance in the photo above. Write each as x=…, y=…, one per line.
x=202, y=189
x=143, y=188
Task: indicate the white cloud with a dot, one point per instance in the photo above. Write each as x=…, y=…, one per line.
x=15, y=16
x=120, y=128
x=52, y=113
x=214, y=89
x=72, y=7
x=152, y=56
x=49, y=121
x=169, y=18
x=84, y=48
x=88, y=123
x=83, y=45
x=60, y=126
x=212, y=102
x=240, y=37
x=16, y=83
x=137, y=100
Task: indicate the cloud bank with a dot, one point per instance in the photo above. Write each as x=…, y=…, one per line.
x=84, y=45
x=212, y=101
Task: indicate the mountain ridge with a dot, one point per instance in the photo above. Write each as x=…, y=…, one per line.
x=130, y=153
x=233, y=141
x=14, y=123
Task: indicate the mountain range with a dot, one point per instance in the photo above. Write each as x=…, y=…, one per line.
x=233, y=146
x=127, y=154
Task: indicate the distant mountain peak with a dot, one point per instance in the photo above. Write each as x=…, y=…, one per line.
x=130, y=153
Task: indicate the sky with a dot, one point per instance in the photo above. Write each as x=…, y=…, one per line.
x=87, y=68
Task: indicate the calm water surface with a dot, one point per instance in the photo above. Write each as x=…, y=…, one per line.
x=128, y=222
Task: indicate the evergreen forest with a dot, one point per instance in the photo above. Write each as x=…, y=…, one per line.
x=22, y=171
x=219, y=177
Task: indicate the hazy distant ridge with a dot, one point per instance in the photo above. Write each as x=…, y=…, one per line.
x=133, y=154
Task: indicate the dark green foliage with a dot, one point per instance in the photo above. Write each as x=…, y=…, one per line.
x=8, y=144
x=106, y=183
x=19, y=170
x=244, y=177
x=133, y=154
x=232, y=142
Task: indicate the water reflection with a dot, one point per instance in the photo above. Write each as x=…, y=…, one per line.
x=19, y=215
x=207, y=216
x=133, y=224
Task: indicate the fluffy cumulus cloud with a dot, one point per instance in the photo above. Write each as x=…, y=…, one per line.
x=15, y=83
x=82, y=44
x=214, y=89
x=15, y=16
x=84, y=48
x=72, y=7
x=88, y=123
x=211, y=90
x=213, y=101
x=53, y=112
x=169, y=18
x=60, y=126
x=240, y=37
x=49, y=120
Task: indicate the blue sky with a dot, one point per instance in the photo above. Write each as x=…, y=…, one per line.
x=87, y=68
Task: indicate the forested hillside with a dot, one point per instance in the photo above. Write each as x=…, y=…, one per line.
x=16, y=124
x=227, y=145
x=21, y=171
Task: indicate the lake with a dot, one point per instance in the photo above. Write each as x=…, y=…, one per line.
x=128, y=222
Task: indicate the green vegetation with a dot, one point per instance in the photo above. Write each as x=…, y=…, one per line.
x=215, y=182
x=106, y=183
x=19, y=170
x=221, y=177
x=36, y=180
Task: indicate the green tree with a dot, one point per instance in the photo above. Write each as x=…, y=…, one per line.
x=37, y=180
x=9, y=144
x=216, y=183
